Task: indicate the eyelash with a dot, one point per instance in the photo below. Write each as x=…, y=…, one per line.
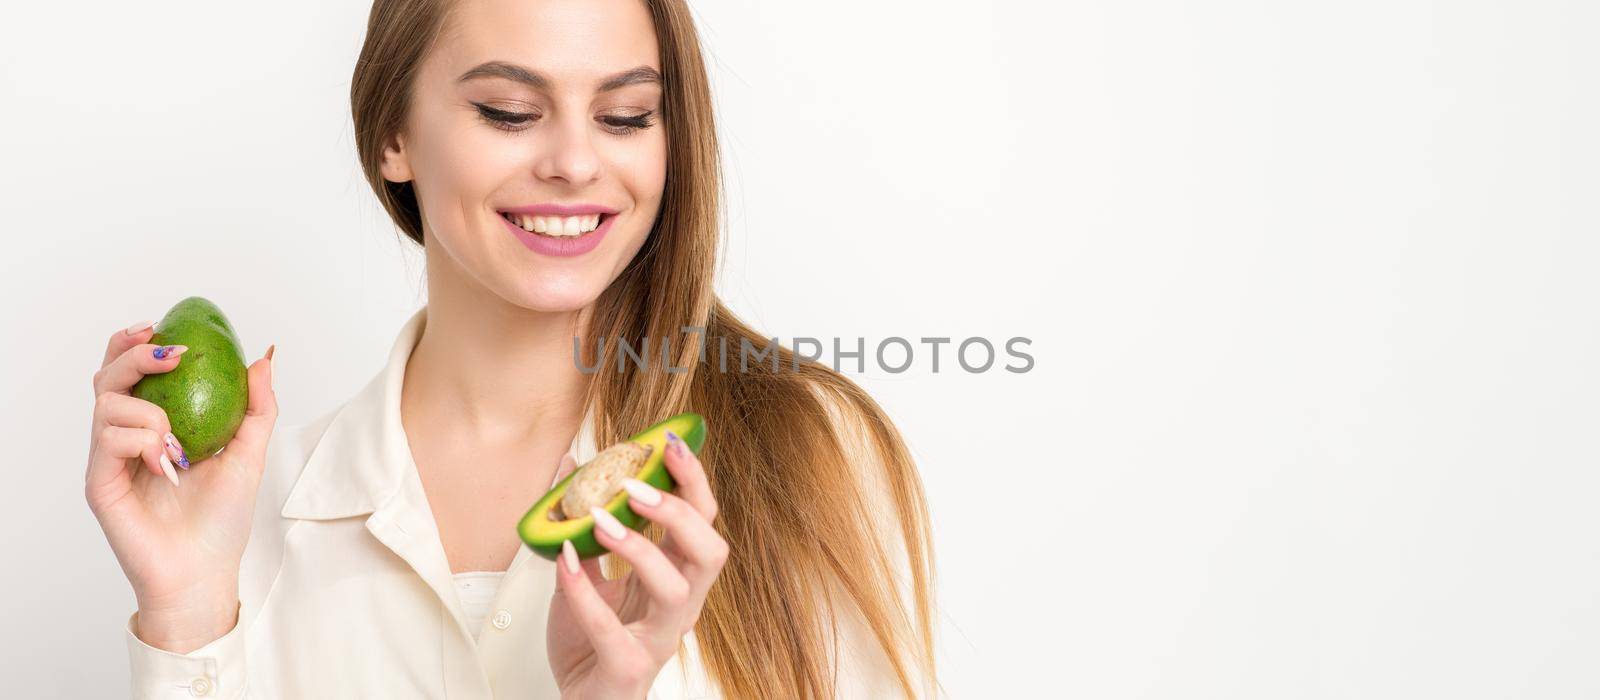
x=515, y=121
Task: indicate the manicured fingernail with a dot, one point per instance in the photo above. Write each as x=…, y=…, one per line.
x=270, y=349
x=167, y=351
x=135, y=328
x=175, y=450
x=674, y=442
x=569, y=554
x=642, y=492
x=608, y=523
x=166, y=468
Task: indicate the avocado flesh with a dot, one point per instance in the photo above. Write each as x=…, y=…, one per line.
x=544, y=536
x=206, y=394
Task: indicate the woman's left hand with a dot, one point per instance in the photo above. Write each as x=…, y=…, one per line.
x=609, y=639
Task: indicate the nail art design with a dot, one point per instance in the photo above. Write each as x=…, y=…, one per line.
x=176, y=450
x=674, y=443
x=166, y=351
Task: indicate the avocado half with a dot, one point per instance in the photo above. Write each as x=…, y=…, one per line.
x=544, y=536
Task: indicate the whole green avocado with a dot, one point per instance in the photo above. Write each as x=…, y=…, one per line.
x=206, y=394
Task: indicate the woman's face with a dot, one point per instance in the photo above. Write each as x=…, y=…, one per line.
x=543, y=109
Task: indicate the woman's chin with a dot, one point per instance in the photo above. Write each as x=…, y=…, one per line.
x=554, y=295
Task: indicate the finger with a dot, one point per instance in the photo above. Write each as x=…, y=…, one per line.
x=701, y=546
x=590, y=566
x=133, y=364
x=597, y=620
x=668, y=588
x=126, y=338
x=112, y=408
x=115, y=444
x=690, y=475
x=567, y=466
x=592, y=569
x=260, y=413
x=127, y=411
x=691, y=543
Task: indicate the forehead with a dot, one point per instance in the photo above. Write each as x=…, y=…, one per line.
x=575, y=42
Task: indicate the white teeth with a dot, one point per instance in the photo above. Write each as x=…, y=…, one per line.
x=558, y=226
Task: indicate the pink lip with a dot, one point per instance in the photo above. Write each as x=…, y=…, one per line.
x=561, y=247
x=559, y=210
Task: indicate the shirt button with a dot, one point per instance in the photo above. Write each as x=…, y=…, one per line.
x=502, y=619
x=200, y=687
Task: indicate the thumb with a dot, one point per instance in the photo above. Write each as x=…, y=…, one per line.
x=260, y=414
x=592, y=568
x=568, y=464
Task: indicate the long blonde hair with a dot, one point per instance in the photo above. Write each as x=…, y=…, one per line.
x=788, y=448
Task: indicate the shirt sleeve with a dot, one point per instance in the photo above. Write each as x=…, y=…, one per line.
x=215, y=670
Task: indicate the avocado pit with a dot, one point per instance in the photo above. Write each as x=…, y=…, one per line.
x=597, y=482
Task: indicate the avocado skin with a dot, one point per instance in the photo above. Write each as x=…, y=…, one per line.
x=544, y=537
x=206, y=394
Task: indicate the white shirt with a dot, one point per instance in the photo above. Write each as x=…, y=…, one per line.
x=476, y=589
x=345, y=591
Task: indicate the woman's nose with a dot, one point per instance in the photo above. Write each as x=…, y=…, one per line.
x=568, y=154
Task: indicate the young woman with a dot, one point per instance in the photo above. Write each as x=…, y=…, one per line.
x=557, y=162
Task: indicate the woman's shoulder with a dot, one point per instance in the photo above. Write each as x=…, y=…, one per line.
x=893, y=500
x=868, y=438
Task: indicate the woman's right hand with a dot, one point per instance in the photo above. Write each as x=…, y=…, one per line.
x=179, y=545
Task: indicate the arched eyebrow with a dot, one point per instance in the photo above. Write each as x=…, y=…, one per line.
x=537, y=80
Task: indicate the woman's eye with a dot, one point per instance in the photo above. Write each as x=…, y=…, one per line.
x=503, y=120
x=518, y=121
x=629, y=124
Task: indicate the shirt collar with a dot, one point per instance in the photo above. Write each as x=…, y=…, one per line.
x=363, y=460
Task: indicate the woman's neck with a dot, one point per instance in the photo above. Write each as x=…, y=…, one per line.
x=488, y=370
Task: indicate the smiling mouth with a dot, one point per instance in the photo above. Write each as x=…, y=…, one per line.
x=557, y=226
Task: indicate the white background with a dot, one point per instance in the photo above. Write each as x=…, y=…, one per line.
x=1311, y=288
